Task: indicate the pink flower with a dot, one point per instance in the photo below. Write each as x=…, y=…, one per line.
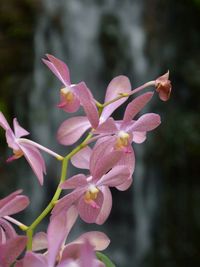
x=10, y=205
x=10, y=250
x=163, y=86
x=91, y=194
x=73, y=95
x=77, y=252
x=22, y=148
x=122, y=133
x=72, y=129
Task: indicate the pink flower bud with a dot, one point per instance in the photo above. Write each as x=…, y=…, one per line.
x=163, y=86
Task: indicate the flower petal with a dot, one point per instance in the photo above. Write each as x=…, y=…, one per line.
x=8, y=231
x=56, y=238
x=15, y=205
x=39, y=241
x=71, y=105
x=146, y=122
x=107, y=127
x=82, y=158
x=67, y=201
x=33, y=260
x=125, y=185
x=19, y=131
x=59, y=68
x=87, y=212
x=3, y=122
x=97, y=239
x=103, y=158
x=74, y=182
x=139, y=137
x=8, y=198
x=72, y=129
x=88, y=103
x=116, y=176
x=119, y=84
x=136, y=106
x=11, y=250
x=35, y=160
x=106, y=206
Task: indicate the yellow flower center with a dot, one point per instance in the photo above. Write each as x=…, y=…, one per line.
x=18, y=153
x=91, y=194
x=67, y=94
x=122, y=140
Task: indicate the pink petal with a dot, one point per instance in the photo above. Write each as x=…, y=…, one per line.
x=139, y=137
x=19, y=131
x=67, y=201
x=125, y=185
x=3, y=122
x=128, y=160
x=107, y=127
x=68, y=263
x=119, y=84
x=82, y=158
x=106, y=206
x=87, y=212
x=87, y=256
x=34, y=260
x=39, y=241
x=72, y=129
x=74, y=182
x=8, y=198
x=88, y=103
x=146, y=122
x=8, y=230
x=136, y=106
x=98, y=240
x=15, y=205
x=56, y=238
x=116, y=176
x=35, y=160
x=59, y=68
x=63, y=222
x=70, y=105
x=103, y=158
x=11, y=250
x=11, y=140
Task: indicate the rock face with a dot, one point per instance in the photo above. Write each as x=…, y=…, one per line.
x=140, y=39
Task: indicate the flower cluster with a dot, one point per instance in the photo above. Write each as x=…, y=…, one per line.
x=106, y=152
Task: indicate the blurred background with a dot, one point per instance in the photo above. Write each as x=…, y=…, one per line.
x=157, y=221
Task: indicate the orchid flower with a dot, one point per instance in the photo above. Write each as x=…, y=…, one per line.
x=120, y=134
x=72, y=129
x=129, y=130
x=10, y=250
x=73, y=95
x=59, y=254
x=10, y=205
x=91, y=193
x=123, y=133
x=24, y=147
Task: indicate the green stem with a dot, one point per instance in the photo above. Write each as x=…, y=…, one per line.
x=56, y=196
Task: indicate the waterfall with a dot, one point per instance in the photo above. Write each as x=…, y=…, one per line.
x=75, y=31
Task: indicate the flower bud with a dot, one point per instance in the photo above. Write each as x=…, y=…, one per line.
x=163, y=86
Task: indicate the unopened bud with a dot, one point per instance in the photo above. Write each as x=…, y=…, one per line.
x=163, y=86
